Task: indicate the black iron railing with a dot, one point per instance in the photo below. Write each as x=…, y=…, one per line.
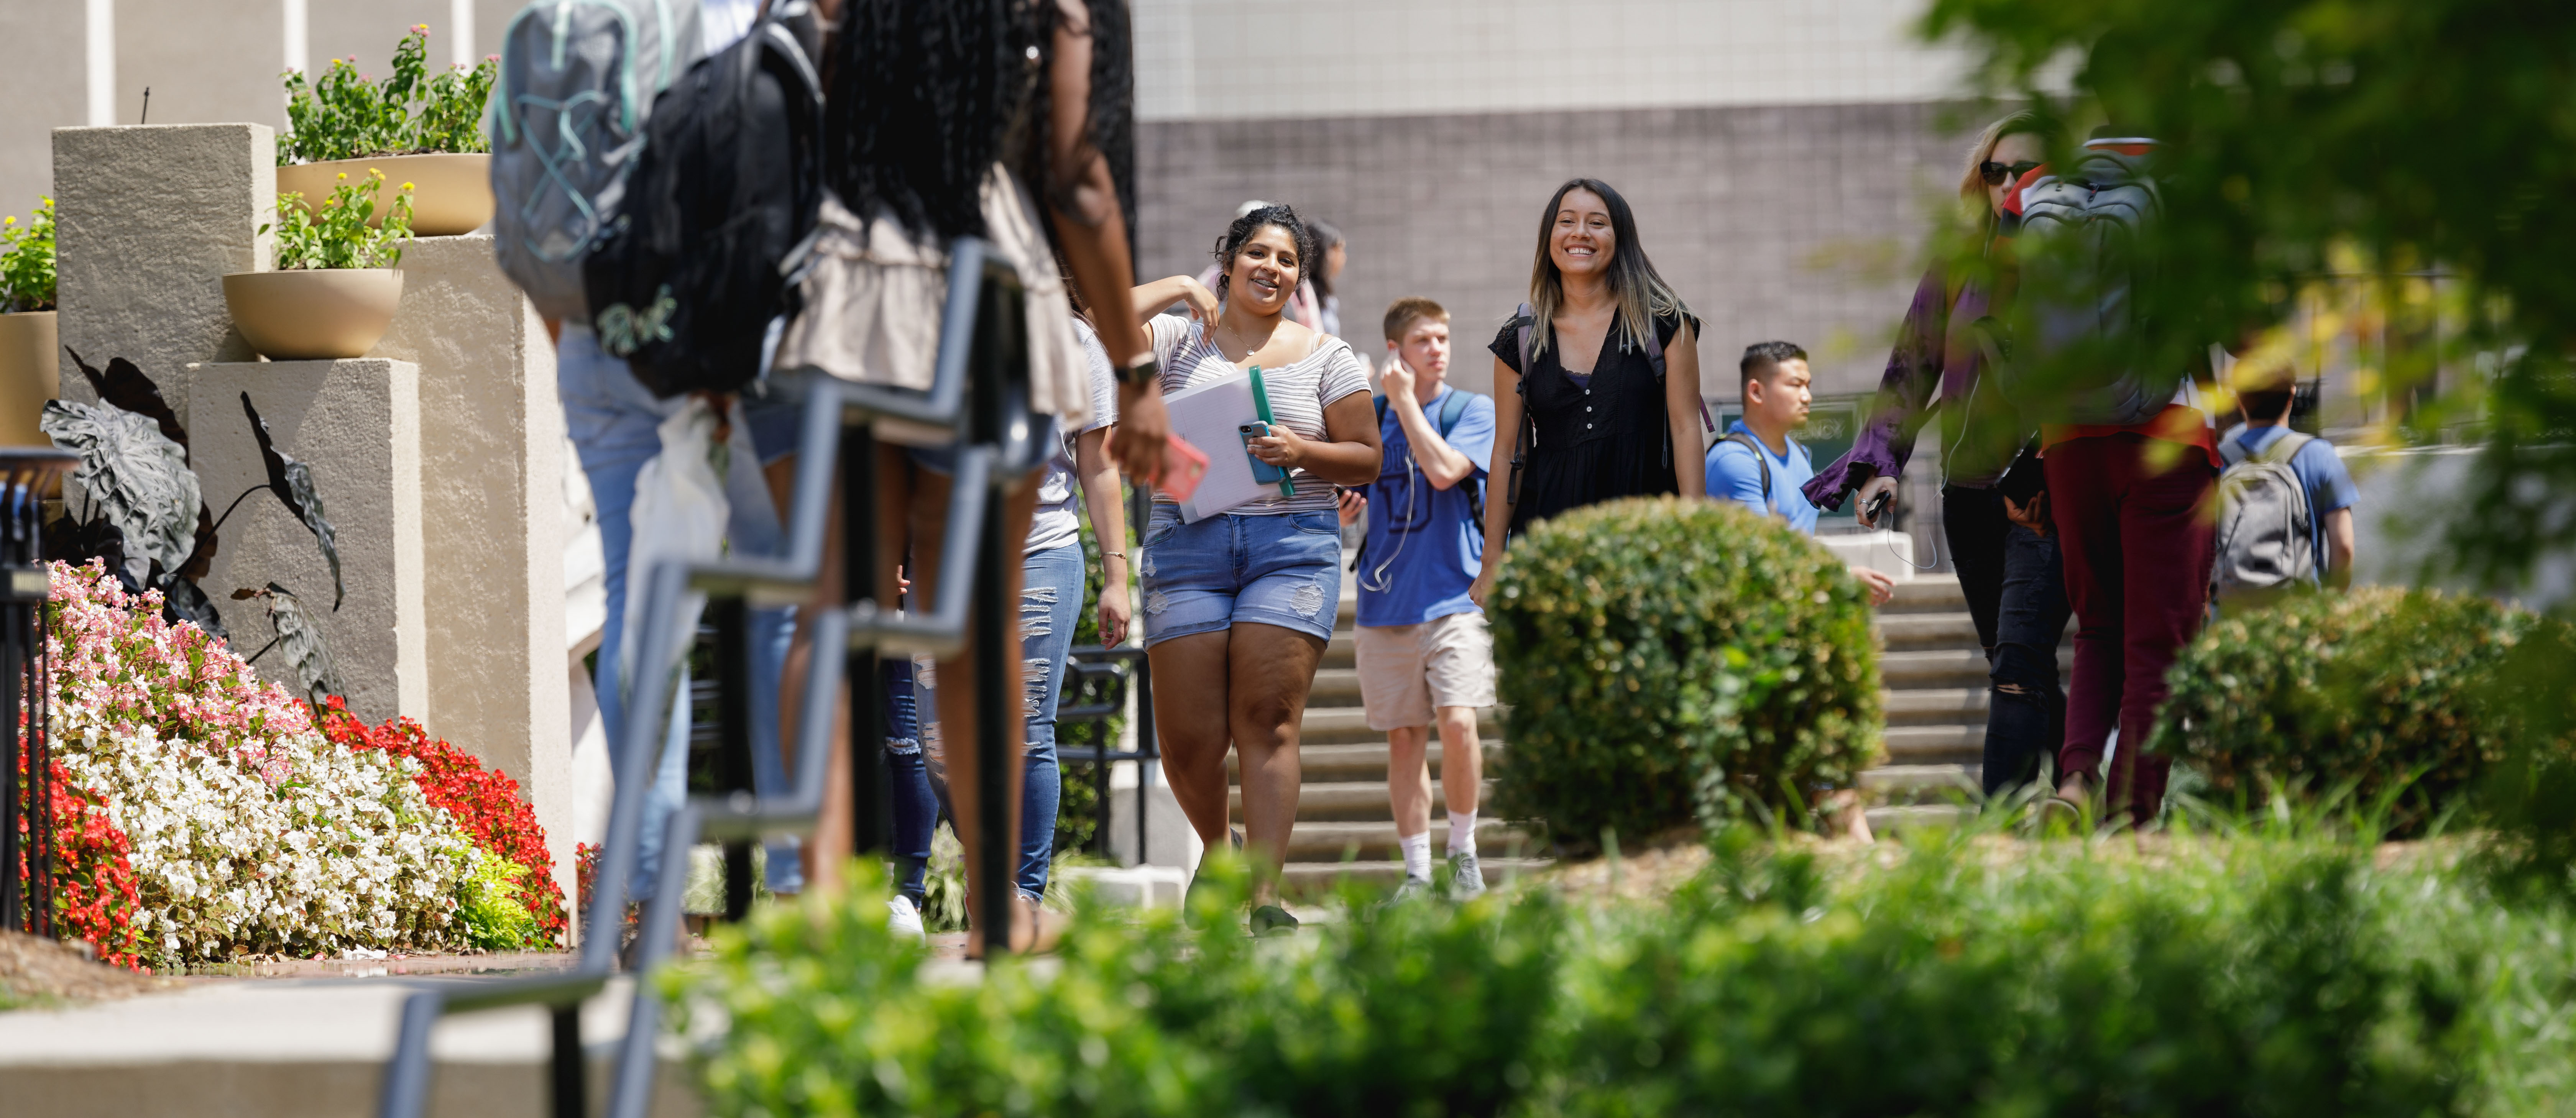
x=26, y=742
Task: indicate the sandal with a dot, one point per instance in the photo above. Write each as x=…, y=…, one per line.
x=1271, y=920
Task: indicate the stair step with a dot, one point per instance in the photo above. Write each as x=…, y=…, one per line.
x=1344, y=762
x=1332, y=725
x=1941, y=667
x=1352, y=800
x=1342, y=651
x=1883, y=820
x=1921, y=783
x=1312, y=879
x=1334, y=687
x=1932, y=745
x=1929, y=705
x=1928, y=630
x=1926, y=594
x=1332, y=840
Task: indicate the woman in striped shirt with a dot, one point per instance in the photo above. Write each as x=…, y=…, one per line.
x=1239, y=606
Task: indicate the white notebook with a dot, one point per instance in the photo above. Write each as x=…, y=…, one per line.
x=1209, y=416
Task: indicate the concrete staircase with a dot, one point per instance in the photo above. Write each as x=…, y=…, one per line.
x=1935, y=699
x=1934, y=675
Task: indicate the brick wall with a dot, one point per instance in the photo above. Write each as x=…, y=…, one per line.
x=1796, y=222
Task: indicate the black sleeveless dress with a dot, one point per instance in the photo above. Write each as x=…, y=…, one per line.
x=1600, y=437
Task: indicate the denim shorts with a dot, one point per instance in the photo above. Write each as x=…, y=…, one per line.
x=1283, y=570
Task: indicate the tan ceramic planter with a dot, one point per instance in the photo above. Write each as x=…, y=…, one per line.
x=451, y=194
x=313, y=314
x=29, y=375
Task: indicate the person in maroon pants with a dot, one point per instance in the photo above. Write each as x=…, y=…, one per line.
x=2135, y=524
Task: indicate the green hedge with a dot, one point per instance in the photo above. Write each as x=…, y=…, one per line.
x=2271, y=977
x=1669, y=662
x=2365, y=691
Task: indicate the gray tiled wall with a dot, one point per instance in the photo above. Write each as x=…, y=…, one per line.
x=1794, y=222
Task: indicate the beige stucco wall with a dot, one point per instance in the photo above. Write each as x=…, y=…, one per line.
x=357, y=424
x=150, y=220
x=206, y=61
x=492, y=464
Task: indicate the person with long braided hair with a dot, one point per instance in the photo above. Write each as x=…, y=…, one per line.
x=956, y=119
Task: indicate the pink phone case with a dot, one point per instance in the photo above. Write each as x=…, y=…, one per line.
x=1183, y=468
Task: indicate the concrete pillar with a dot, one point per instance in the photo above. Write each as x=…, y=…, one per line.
x=357, y=424
x=149, y=219
x=494, y=522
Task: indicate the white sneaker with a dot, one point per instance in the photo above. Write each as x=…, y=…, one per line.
x=904, y=920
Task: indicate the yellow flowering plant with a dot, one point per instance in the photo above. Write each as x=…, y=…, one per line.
x=27, y=261
x=336, y=234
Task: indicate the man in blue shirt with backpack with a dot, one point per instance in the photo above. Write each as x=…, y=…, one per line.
x=2285, y=502
x=1757, y=462
x=1424, y=654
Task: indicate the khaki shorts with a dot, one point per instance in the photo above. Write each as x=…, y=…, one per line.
x=1407, y=671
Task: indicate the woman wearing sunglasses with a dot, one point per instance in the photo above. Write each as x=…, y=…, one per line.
x=1993, y=499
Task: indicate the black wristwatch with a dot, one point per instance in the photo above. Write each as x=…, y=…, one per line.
x=1144, y=372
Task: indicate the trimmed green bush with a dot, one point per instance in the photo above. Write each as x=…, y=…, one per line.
x=1418, y=1009
x=2365, y=691
x=1668, y=662
x=2280, y=977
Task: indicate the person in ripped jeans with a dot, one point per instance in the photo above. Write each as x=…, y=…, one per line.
x=1051, y=600
x=1239, y=605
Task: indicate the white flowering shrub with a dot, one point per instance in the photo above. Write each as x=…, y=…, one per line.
x=250, y=831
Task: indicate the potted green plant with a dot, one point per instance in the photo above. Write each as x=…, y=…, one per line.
x=27, y=336
x=416, y=127
x=335, y=287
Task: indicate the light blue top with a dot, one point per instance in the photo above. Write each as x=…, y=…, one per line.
x=1425, y=545
x=1734, y=475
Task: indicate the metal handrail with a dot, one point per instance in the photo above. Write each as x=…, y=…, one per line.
x=1121, y=663
x=25, y=736
x=975, y=278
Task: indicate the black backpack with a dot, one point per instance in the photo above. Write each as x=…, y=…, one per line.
x=721, y=209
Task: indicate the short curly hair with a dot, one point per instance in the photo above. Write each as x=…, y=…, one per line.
x=1276, y=213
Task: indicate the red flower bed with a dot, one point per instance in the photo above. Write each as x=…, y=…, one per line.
x=95, y=898
x=485, y=802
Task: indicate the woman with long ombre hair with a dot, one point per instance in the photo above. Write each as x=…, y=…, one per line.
x=1994, y=512
x=1591, y=417
x=1239, y=605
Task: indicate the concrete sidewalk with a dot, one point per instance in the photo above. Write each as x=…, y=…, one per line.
x=288, y=1049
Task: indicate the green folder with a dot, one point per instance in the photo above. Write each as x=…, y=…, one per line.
x=1261, y=411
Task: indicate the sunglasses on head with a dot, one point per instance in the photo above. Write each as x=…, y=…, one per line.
x=1997, y=174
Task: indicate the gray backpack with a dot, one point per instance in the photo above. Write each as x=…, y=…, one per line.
x=577, y=79
x=2266, y=529
x=2084, y=298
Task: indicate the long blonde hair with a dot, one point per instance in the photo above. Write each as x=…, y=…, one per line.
x=1972, y=179
x=1640, y=291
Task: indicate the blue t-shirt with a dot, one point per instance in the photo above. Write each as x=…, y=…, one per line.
x=1425, y=545
x=1734, y=475
x=2320, y=472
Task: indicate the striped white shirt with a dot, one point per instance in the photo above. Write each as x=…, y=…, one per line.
x=1299, y=392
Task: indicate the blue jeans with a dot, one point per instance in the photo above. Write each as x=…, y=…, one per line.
x=2015, y=584
x=1050, y=606
x=1283, y=570
x=916, y=807
x=1051, y=600
x=614, y=423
